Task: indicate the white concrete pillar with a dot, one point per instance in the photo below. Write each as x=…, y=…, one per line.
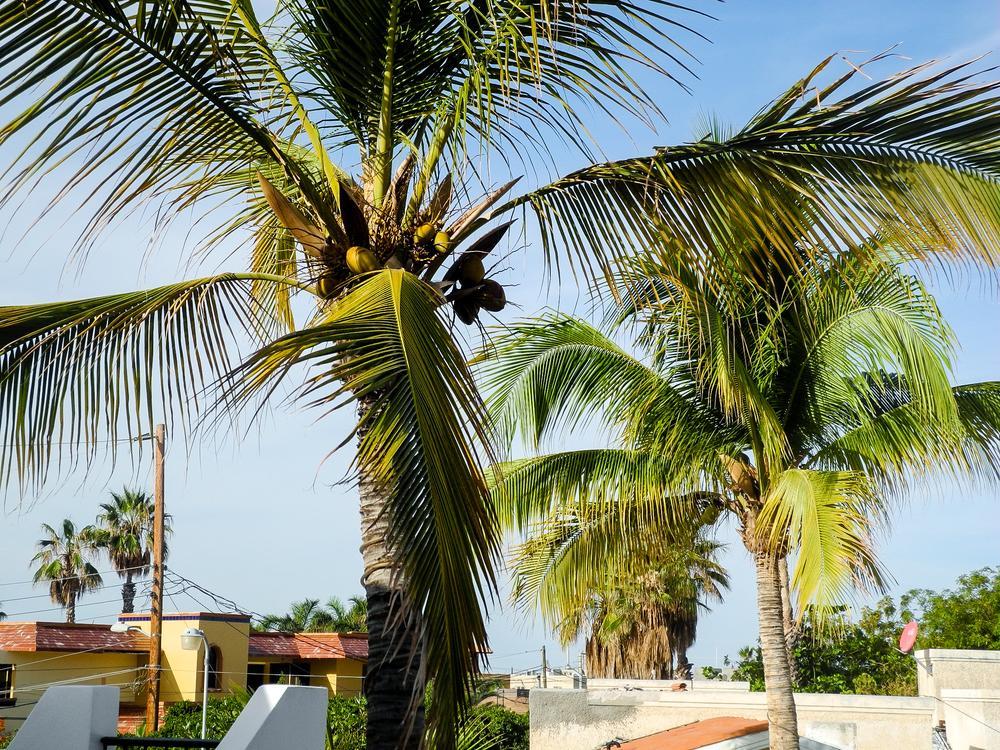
x=70, y=717
x=281, y=716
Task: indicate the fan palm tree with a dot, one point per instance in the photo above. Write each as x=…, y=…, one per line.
x=63, y=562
x=798, y=412
x=124, y=532
x=199, y=105
x=639, y=618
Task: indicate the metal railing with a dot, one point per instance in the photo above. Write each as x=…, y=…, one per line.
x=162, y=743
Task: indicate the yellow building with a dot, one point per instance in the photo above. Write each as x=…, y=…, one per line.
x=35, y=655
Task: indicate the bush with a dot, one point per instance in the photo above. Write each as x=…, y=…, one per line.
x=5, y=738
x=346, y=719
x=509, y=727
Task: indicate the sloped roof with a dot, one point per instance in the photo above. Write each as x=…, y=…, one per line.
x=61, y=636
x=698, y=735
x=310, y=645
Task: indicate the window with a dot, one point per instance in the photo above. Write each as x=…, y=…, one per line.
x=255, y=676
x=214, y=668
x=6, y=685
x=296, y=673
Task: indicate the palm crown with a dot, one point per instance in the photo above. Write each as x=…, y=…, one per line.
x=124, y=532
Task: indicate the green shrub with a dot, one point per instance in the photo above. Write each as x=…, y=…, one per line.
x=346, y=719
x=5, y=738
x=509, y=727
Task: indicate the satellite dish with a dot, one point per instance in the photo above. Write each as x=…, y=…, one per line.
x=908, y=637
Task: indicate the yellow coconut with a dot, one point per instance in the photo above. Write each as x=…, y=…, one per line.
x=361, y=260
x=424, y=234
x=326, y=285
x=442, y=242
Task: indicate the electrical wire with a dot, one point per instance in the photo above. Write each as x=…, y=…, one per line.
x=33, y=582
x=8, y=600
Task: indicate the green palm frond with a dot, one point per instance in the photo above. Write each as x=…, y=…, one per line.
x=557, y=372
x=150, y=95
x=384, y=343
x=660, y=489
x=827, y=517
x=817, y=169
x=112, y=366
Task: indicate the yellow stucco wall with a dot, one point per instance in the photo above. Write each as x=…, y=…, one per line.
x=35, y=671
x=183, y=670
x=339, y=676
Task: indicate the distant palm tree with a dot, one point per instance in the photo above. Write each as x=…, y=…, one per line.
x=308, y=616
x=63, y=563
x=124, y=532
x=639, y=612
x=348, y=618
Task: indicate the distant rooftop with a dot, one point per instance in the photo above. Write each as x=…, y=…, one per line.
x=61, y=636
x=698, y=735
x=310, y=645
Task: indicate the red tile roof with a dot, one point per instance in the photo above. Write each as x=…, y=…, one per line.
x=697, y=735
x=310, y=645
x=61, y=636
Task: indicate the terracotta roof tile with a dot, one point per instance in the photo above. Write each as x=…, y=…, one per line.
x=310, y=645
x=61, y=636
x=697, y=735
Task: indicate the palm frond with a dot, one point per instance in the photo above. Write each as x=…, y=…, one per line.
x=384, y=343
x=79, y=375
x=916, y=151
x=143, y=96
x=827, y=517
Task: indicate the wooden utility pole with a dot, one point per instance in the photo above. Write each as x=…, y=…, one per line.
x=156, y=598
x=545, y=669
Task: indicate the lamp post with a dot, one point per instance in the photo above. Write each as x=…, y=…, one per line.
x=191, y=640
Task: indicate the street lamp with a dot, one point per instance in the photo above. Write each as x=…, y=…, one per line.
x=191, y=640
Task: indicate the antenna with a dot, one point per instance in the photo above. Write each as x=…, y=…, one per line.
x=908, y=637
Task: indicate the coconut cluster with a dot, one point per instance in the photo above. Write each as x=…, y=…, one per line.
x=361, y=239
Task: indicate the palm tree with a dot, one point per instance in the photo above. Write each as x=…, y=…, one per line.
x=202, y=107
x=124, y=532
x=63, y=562
x=799, y=413
x=638, y=611
x=348, y=618
x=305, y=616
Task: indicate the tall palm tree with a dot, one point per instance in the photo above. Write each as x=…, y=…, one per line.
x=799, y=413
x=124, y=532
x=638, y=609
x=199, y=105
x=63, y=561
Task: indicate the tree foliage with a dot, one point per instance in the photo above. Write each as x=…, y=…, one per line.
x=309, y=615
x=965, y=617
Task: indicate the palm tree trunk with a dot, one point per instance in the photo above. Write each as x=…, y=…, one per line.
x=128, y=594
x=682, y=659
x=781, y=716
x=71, y=608
x=788, y=617
x=392, y=678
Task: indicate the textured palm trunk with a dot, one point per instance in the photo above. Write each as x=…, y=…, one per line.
x=781, y=716
x=680, y=672
x=71, y=608
x=128, y=594
x=788, y=617
x=393, y=674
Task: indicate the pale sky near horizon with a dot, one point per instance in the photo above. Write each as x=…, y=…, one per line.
x=262, y=521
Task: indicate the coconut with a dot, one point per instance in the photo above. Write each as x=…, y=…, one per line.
x=471, y=270
x=442, y=242
x=424, y=234
x=467, y=310
x=326, y=285
x=361, y=260
x=491, y=296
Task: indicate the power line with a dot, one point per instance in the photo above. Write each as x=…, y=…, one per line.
x=46, y=596
x=33, y=582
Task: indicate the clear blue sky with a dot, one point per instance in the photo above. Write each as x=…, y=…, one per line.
x=263, y=521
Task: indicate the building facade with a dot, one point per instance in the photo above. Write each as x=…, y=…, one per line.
x=36, y=655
